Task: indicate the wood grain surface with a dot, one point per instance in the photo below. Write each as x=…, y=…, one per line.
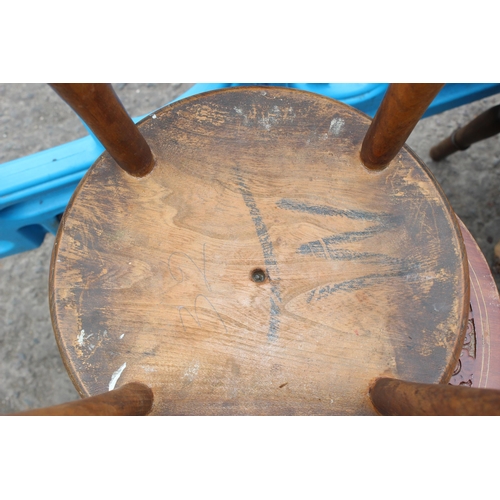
x=155, y=279
x=478, y=367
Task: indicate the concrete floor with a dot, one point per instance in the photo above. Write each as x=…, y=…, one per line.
x=33, y=118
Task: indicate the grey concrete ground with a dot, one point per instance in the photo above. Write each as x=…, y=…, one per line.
x=33, y=118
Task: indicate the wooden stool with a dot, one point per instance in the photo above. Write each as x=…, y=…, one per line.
x=255, y=263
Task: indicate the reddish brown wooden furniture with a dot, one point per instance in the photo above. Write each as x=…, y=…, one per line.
x=479, y=363
x=485, y=125
x=265, y=258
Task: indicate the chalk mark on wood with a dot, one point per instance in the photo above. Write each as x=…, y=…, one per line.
x=323, y=247
x=297, y=206
x=326, y=247
x=266, y=244
x=355, y=284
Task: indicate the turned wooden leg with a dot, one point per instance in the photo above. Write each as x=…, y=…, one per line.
x=130, y=399
x=99, y=107
x=397, y=397
x=485, y=125
x=402, y=107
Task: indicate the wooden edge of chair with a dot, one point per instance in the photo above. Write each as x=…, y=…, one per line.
x=397, y=397
x=131, y=399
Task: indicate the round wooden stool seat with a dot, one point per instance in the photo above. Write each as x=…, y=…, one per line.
x=260, y=268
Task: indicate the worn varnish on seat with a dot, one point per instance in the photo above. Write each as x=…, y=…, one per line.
x=260, y=268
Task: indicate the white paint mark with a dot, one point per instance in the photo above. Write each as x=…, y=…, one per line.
x=154, y=117
x=418, y=277
x=58, y=260
x=272, y=118
x=80, y=338
x=192, y=371
x=122, y=335
x=116, y=376
x=148, y=369
x=265, y=123
x=239, y=111
x=336, y=125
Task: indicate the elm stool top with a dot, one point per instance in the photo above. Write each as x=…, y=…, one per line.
x=253, y=265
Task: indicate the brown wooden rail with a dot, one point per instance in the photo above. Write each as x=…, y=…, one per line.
x=485, y=125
